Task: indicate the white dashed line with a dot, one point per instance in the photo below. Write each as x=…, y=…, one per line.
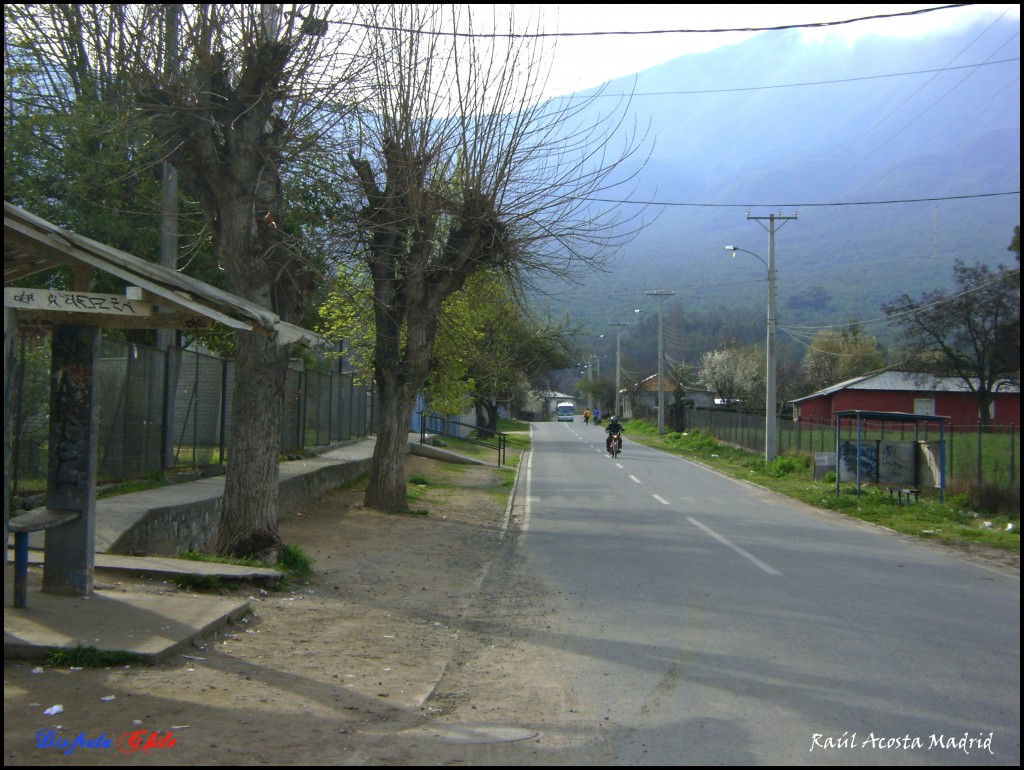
x=733, y=546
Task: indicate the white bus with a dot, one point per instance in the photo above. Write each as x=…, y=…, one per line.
x=566, y=411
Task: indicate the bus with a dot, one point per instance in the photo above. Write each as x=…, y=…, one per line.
x=566, y=411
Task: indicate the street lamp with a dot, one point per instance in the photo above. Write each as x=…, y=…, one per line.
x=770, y=442
x=775, y=221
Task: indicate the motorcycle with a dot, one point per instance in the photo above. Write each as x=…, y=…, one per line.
x=615, y=445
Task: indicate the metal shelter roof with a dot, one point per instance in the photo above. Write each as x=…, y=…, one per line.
x=863, y=414
x=31, y=245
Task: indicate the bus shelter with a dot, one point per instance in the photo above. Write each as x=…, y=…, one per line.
x=870, y=457
x=155, y=297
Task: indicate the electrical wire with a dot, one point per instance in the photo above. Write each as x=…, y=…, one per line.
x=616, y=33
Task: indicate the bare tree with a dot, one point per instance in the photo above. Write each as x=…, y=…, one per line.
x=461, y=168
x=257, y=89
x=973, y=333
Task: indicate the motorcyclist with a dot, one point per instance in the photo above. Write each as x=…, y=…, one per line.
x=613, y=430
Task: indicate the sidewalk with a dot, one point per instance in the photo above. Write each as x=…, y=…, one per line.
x=167, y=520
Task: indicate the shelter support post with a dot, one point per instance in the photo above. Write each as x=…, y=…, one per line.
x=71, y=480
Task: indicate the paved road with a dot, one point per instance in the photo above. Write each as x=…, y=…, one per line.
x=711, y=622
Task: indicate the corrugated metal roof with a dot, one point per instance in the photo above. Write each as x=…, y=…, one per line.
x=32, y=244
x=906, y=381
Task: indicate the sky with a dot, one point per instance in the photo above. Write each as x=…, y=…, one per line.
x=585, y=62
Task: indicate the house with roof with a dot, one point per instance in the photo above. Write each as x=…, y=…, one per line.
x=911, y=393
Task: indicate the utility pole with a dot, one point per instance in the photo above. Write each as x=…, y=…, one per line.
x=617, y=406
x=590, y=379
x=661, y=358
x=771, y=441
x=165, y=338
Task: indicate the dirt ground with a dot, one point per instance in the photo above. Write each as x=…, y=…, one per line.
x=383, y=656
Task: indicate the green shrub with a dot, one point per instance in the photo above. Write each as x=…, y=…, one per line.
x=783, y=466
x=295, y=561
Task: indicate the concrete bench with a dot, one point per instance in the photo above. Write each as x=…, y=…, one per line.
x=903, y=494
x=21, y=526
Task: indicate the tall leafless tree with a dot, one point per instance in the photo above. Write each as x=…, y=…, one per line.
x=462, y=167
x=257, y=89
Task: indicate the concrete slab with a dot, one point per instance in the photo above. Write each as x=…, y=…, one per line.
x=167, y=568
x=150, y=626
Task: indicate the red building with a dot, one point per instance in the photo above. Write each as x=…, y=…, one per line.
x=912, y=393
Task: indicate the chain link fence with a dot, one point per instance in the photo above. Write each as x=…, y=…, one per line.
x=975, y=454
x=163, y=412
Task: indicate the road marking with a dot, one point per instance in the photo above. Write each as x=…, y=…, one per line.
x=660, y=499
x=635, y=479
x=529, y=491
x=512, y=497
x=733, y=546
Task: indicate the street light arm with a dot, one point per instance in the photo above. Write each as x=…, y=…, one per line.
x=758, y=257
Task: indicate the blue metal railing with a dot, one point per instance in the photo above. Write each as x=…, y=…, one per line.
x=439, y=425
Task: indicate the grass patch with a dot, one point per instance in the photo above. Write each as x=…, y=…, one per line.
x=88, y=657
x=512, y=426
x=295, y=562
x=187, y=582
x=410, y=512
x=213, y=558
x=952, y=521
x=140, y=485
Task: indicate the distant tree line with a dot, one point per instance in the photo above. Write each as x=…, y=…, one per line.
x=971, y=332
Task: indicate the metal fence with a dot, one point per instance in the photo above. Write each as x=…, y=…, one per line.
x=975, y=454
x=170, y=410
x=448, y=427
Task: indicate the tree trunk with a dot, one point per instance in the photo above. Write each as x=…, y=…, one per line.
x=985, y=399
x=492, y=414
x=248, y=523
x=387, y=489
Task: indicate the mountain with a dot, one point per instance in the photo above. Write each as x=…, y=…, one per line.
x=825, y=130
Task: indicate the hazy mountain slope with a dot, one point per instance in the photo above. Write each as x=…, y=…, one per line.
x=720, y=152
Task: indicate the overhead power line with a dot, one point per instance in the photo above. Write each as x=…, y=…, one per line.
x=805, y=205
x=607, y=33
x=791, y=85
